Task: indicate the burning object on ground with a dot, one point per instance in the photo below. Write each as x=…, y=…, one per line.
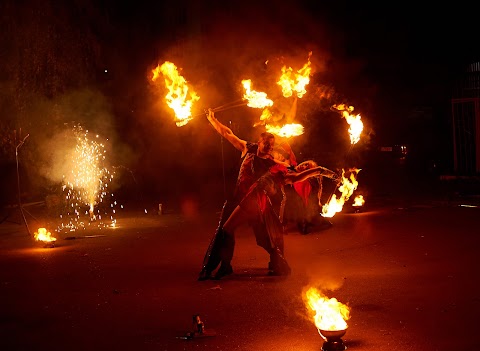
x=330, y=318
x=45, y=237
x=358, y=203
x=198, y=330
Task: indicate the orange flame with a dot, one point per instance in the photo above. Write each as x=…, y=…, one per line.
x=358, y=201
x=355, y=122
x=255, y=99
x=347, y=187
x=286, y=131
x=330, y=314
x=43, y=235
x=179, y=98
x=295, y=82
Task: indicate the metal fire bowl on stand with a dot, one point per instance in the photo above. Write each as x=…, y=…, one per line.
x=333, y=340
x=332, y=334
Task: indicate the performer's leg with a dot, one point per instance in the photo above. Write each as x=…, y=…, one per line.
x=237, y=218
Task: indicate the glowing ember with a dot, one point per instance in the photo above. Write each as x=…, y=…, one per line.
x=286, y=131
x=87, y=182
x=347, y=187
x=43, y=235
x=330, y=314
x=358, y=201
x=179, y=97
x=295, y=82
x=354, y=121
x=255, y=99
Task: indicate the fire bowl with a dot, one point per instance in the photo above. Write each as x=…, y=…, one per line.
x=46, y=244
x=332, y=334
x=333, y=340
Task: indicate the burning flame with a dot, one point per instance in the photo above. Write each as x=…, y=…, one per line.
x=286, y=131
x=87, y=181
x=330, y=314
x=358, y=201
x=295, y=82
x=347, y=187
x=43, y=235
x=255, y=99
x=355, y=122
x=179, y=98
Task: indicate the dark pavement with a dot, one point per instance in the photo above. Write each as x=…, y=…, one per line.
x=408, y=273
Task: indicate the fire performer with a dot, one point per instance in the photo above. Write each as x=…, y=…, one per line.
x=257, y=160
x=258, y=207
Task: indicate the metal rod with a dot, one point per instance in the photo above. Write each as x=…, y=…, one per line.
x=18, y=185
x=222, y=108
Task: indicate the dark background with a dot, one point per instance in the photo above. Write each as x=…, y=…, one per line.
x=90, y=62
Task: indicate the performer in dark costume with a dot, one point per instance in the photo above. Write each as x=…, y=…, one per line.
x=259, y=207
x=257, y=160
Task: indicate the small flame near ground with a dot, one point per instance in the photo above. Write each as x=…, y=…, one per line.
x=358, y=201
x=328, y=313
x=43, y=235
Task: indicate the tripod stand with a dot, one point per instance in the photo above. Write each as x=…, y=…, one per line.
x=19, y=199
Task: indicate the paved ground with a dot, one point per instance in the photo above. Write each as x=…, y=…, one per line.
x=408, y=273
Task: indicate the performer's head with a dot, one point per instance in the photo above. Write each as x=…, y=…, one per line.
x=265, y=144
x=306, y=165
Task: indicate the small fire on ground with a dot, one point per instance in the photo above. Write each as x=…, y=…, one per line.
x=329, y=313
x=44, y=235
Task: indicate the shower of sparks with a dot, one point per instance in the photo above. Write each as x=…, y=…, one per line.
x=86, y=184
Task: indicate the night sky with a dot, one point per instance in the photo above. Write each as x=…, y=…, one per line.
x=76, y=61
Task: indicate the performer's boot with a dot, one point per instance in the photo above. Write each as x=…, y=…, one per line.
x=213, y=255
x=226, y=256
x=278, y=264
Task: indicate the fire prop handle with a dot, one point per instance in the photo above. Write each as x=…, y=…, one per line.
x=225, y=107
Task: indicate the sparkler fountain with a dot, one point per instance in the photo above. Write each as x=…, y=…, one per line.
x=87, y=180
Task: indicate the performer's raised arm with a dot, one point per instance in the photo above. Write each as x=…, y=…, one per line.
x=226, y=132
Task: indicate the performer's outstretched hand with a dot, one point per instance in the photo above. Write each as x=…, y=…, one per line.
x=210, y=113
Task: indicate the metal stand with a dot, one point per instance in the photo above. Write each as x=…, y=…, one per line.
x=19, y=205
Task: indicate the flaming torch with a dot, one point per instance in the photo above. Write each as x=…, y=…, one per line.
x=286, y=131
x=256, y=99
x=354, y=121
x=330, y=319
x=179, y=97
x=44, y=236
x=347, y=187
x=295, y=82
